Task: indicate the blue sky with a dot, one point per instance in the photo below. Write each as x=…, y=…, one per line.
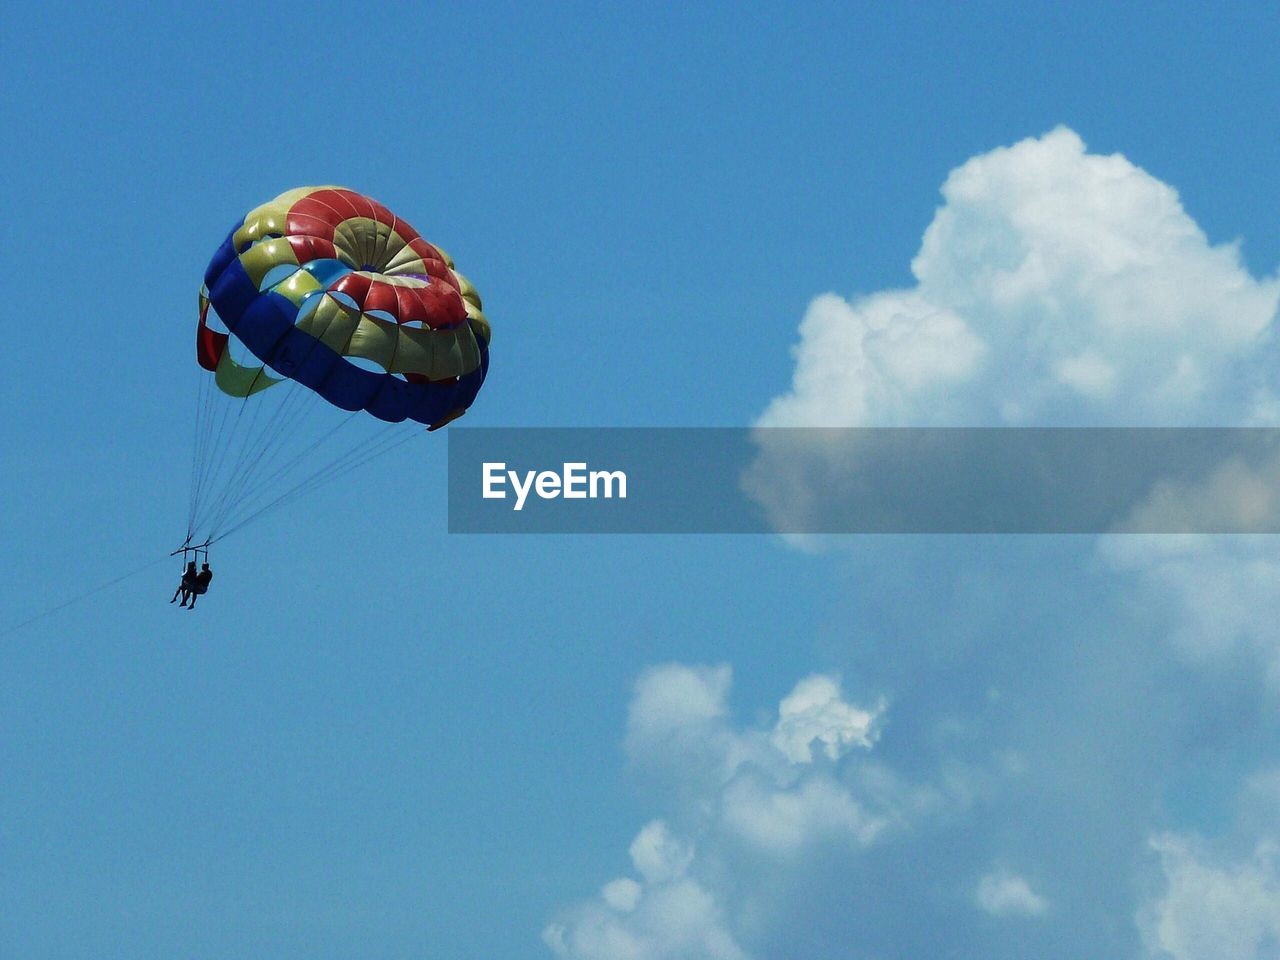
x=376, y=740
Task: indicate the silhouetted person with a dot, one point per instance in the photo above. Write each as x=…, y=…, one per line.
x=189, y=576
x=201, y=584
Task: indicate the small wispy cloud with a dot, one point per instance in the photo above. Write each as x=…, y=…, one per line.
x=1003, y=893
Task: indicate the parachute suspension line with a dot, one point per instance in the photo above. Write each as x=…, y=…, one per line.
x=301, y=455
x=321, y=478
x=264, y=482
x=369, y=449
x=250, y=444
x=374, y=455
x=204, y=440
x=204, y=447
x=198, y=424
x=216, y=416
x=297, y=407
x=276, y=432
x=246, y=436
x=256, y=442
x=219, y=450
x=252, y=511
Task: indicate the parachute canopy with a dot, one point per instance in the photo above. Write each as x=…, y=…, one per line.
x=320, y=276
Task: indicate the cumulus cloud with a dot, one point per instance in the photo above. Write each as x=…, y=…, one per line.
x=667, y=916
x=815, y=713
x=873, y=360
x=784, y=821
x=664, y=915
x=1056, y=286
x=678, y=719
x=1213, y=908
x=659, y=856
x=674, y=698
x=771, y=793
x=622, y=894
x=1053, y=285
x=765, y=784
x=1217, y=599
x=1220, y=898
x=1002, y=893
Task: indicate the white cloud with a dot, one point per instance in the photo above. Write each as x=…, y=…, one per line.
x=761, y=791
x=1216, y=597
x=1214, y=908
x=658, y=856
x=872, y=359
x=1005, y=894
x=762, y=785
x=1058, y=286
x=622, y=894
x=666, y=916
x=678, y=719
x=1220, y=898
x=815, y=711
x=673, y=921
x=673, y=698
x=1053, y=285
x=1091, y=375
x=782, y=822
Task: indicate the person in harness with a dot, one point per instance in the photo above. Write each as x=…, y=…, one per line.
x=200, y=586
x=188, y=582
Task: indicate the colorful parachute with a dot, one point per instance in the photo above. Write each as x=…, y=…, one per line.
x=320, y=274
x=325, y=289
